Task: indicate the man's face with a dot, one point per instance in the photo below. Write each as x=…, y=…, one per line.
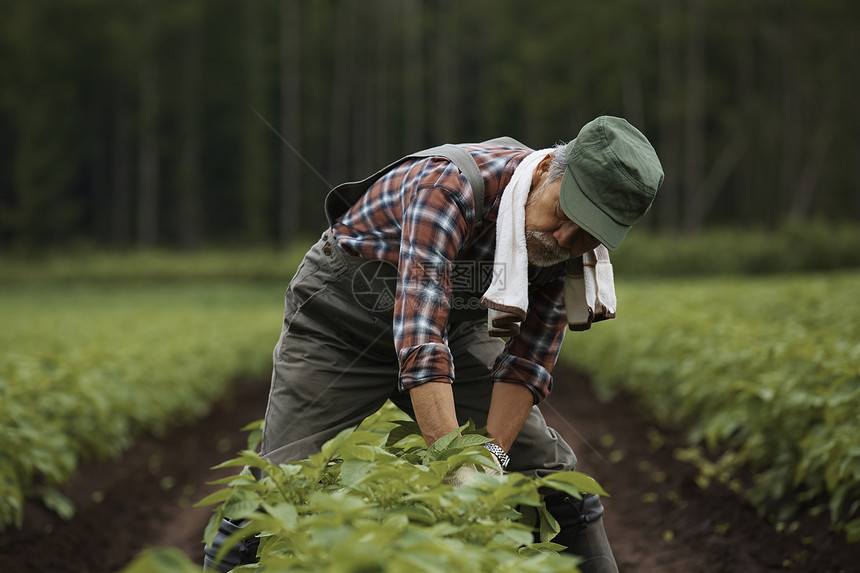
x=550, y=236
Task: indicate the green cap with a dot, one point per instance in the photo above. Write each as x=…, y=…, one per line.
x=612, y=176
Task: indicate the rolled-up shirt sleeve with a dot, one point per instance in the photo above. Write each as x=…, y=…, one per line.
x=529, y=357
x=434, y=229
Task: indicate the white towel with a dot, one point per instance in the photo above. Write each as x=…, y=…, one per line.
x=589, y=289
x=508, y=296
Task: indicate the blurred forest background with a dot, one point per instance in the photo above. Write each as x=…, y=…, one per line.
x=193, y=123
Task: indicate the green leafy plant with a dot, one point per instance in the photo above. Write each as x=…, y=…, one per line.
x=762, y=375
x=375, y=499
x=85, y=369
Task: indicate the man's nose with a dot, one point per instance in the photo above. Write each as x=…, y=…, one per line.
x=564, y=235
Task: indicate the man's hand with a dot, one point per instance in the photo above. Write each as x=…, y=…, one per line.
x=466, y=473
x=495, y=471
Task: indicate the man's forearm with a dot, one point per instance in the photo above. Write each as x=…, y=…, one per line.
x=433, y=403
x=509, y=408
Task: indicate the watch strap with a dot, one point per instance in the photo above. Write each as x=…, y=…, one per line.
x=501, y=455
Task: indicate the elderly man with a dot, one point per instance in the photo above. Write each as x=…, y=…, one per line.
x=392, y=301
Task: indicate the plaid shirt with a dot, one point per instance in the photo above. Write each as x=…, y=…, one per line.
x=420, y=216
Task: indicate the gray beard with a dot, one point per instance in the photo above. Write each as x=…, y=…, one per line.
x=542, y=251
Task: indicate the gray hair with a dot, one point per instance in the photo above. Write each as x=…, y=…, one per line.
x=558, y=163
x=557, y=166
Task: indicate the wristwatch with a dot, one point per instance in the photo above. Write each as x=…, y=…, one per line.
x=500, y=454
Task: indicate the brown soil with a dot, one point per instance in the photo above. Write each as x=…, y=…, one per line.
x=658, y=519
x=143, y=499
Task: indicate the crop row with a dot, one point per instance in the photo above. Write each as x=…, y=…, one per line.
x=764, y=375
x=375, y=498
x=86, y=369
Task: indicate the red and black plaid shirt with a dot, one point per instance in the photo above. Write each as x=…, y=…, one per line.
x=420, y=216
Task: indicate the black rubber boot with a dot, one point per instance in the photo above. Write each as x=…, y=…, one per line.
x=582, y=531
x=242, y=553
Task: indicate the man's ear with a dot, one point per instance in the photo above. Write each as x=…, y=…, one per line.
x=544, y=163
x=541, y=170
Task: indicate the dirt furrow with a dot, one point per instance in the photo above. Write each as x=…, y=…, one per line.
x=658, y=519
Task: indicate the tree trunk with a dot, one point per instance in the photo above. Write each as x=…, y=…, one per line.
x=445, y=118
x=343, y=93
x=148, y=160
x=99, y=166
x=670, y=144
x=364, y=109
x=807, y=181
x=721, y=169
x=743, y=205
x=413, y=76
x=254, y=164
x=632, y=100
x=121, y=185
x=792, y=124
x=189, y=179
x=291, y=109
x=694, y=118
x=383, y=92
x=856, y=182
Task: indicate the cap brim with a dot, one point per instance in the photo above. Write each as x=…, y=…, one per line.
x=579, y=209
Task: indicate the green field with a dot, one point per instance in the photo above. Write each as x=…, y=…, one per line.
x=763, y=374
x=87, y=367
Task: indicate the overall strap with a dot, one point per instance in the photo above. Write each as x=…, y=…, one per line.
x=506, y=141
x=342, y=197
x=467, y=166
